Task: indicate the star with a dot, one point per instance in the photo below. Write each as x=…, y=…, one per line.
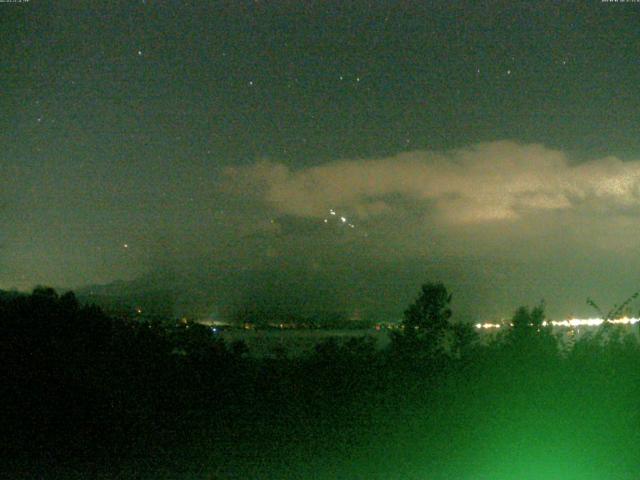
x=139, y=53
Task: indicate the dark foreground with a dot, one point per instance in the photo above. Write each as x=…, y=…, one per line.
x=88, y=396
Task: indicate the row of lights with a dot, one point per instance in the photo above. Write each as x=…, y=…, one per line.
x=574, y=322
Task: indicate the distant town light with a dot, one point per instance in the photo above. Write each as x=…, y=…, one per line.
x=572, y=322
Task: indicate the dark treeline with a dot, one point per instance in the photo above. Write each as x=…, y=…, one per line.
x=86, y=395
x=271, y=317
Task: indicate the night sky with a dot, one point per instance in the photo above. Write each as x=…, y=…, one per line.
x=324, y=155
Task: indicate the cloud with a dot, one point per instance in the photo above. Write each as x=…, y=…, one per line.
x=487, y=182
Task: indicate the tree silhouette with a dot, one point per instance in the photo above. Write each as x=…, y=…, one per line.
x=529, y=337
x=426, y=322
x=527, y=323
x=464, y=339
